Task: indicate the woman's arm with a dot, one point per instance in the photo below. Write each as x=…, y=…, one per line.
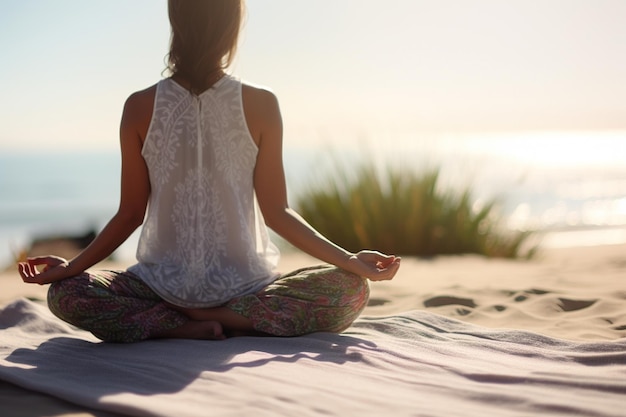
x=135, y=191
x=265, y=123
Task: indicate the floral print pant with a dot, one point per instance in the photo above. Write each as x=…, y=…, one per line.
x=116, y=306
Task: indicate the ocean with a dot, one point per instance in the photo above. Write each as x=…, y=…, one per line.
x=571, y=186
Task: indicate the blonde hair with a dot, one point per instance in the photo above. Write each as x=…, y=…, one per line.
x=204, y=39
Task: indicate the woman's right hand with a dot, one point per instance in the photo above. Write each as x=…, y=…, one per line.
x=55, y=268
x=373, y=265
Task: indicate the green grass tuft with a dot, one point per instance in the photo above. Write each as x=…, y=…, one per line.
x=406, y=213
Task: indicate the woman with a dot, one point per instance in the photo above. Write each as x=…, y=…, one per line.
x=202, y=153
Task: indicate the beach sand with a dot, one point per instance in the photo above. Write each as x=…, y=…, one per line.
x=572, y=293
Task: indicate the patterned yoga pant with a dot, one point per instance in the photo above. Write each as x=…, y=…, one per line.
x=116, y=306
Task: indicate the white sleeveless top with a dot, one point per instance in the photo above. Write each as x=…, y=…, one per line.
x=204, y=240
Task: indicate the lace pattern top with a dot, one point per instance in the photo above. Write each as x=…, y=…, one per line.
x=204, y=240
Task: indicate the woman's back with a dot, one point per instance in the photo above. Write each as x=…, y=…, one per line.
x=204, y=240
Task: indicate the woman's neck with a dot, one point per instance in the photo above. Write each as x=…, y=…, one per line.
x=207, y=84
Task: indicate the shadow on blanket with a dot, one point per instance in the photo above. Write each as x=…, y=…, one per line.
x=173, y=364
x=105, y=359
x=415, y=363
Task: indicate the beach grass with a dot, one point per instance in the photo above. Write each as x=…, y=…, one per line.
x=400, y=211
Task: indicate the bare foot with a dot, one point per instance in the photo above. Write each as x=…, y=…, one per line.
x=235, y=323
x=210, y=330
x=194, y=329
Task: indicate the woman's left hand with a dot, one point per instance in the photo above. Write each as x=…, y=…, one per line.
x=374, y=265
x=55, y=268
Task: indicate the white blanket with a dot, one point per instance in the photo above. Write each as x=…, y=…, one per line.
x=412, y=364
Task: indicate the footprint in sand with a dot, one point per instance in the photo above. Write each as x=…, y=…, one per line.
x=565, y=304
x=574, y=305
x=619, y=263
x=463, y=311
x=445, y=300
x=537, y=291
x=466, y=305
x=526, y=293
x=375, y=302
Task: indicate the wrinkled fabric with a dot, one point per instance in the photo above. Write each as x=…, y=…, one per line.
x=117, y=306
x=314, y=299
x=414, y=363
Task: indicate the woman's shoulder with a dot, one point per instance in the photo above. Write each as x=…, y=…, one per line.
x=143, y=97
x=261, y=110
x=259, y=99
x=138, y=110
x=258, y=92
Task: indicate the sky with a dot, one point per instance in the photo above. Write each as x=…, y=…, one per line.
x=340, y=68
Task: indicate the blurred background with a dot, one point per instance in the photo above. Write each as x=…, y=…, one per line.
x=525, y=100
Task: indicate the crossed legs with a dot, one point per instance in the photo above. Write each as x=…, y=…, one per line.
x=118, y=307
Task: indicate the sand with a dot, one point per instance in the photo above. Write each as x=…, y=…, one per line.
x=573, y=293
